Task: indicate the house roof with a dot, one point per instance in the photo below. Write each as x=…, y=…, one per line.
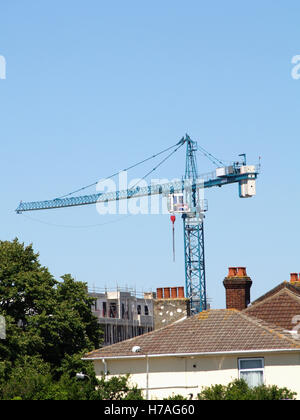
x=215, y=331
x=285, y=285
x=279, y=307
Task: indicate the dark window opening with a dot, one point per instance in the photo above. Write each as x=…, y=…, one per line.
x=113, y=310
x=104, y=310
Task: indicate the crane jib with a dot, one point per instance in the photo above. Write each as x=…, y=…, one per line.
x=167, y=188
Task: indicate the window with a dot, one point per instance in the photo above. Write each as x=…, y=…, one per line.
x=104, y=310
x=178, y=199
x=113, y=310
x=139, y=310
x=146, y=310
x=252, y=371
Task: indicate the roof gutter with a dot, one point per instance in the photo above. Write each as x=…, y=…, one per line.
x=224, y=353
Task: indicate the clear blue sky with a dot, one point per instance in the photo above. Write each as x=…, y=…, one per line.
x=95, y=86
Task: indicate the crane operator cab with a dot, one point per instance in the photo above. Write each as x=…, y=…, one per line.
x=182, y=203
x=177, y=204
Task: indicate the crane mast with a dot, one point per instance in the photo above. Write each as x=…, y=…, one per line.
x=193, y=228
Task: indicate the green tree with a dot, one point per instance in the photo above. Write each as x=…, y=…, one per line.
x=49, y=326
x=117, y=388
x=44, y=317
x=176, y=398
x=31, y=379
x=28, y=379
x=239, y=390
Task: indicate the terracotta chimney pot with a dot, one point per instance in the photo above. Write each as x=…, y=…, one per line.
x=241, y=272
x=174, y=292
x=167, y=293
x=181, y=292
x=160, y=293
x=232, y=272
x=294, y=277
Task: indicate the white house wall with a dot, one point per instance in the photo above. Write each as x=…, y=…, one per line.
x=186, y=375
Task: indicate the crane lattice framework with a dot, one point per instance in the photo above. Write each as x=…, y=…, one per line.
x=184, y=198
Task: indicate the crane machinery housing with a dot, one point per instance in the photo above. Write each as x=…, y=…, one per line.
x=184, y=199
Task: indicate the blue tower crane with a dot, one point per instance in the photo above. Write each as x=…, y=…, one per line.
x=184, y=198
x=193, y=230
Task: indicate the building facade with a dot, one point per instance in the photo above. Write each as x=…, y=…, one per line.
x=123, y=315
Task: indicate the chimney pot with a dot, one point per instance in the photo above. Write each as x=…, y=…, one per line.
x=167, y=293
x=174, y=292
x=181, y=292
x=241, y=272
x=294, y=277
x=232, y=272
x=160, y=293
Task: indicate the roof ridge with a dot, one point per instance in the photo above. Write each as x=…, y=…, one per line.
x=293, y=288
x=267, y=299
x=270, y=293
x=293, y=294
x=281, y=286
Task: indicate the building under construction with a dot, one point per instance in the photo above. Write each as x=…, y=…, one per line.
x=123, y=314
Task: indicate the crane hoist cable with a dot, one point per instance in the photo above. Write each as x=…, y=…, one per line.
x=211, y=157
x=33, y=219
x=180, y=144
x=124, y=170
x=160, y=163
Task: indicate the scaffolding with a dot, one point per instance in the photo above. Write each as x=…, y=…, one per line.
x=123, y=313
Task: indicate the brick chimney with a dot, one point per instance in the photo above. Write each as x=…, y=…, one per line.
x=237, y=285
x=170, y=306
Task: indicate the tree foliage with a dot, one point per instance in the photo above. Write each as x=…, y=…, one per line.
x=49, y=326
x=44, y=317
x=31, y=379
x=239, y=390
